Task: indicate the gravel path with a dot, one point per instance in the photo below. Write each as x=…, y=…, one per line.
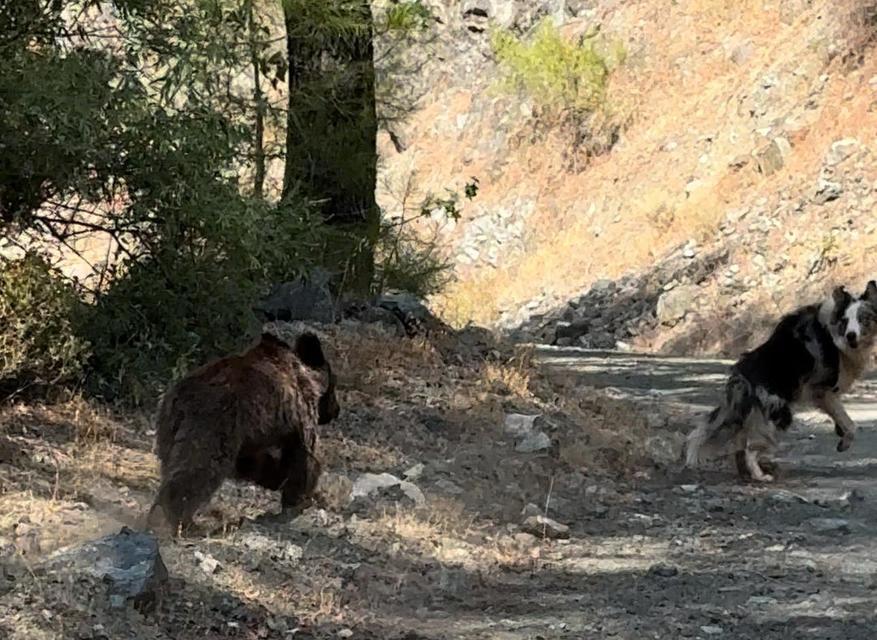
x=697, y=554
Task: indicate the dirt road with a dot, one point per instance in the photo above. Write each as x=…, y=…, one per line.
x=700, y=555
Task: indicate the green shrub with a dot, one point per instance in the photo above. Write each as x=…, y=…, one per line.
x=38, y=343
x=192, y=299
x=556, y=73
x=408, y=262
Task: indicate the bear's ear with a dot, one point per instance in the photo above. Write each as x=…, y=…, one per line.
x=310, y=351
x=271, y=338
x=871, y=292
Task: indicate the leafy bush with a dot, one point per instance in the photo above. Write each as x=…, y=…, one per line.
x=192, y=299
x=411, y=259
x=38, y=343
x=408, y=262
x=557, y=73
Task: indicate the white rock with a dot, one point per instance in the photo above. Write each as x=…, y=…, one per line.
x=413, y=473
x=368, y=483
x=207, y=563
x=841, y=150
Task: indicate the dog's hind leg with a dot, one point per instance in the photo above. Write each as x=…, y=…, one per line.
x=844, y=426
x=761, y=435
x=750, y=460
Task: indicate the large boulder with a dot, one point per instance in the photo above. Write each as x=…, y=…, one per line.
x=307, y=298
x=674, y=304
x=128, y=562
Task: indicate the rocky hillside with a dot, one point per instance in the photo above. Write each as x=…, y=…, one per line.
x=741, y=182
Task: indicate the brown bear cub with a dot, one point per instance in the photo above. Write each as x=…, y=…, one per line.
x=251, y=417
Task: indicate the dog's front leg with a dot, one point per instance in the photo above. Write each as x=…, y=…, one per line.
x=844, y=426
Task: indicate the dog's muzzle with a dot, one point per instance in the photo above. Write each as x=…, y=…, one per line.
x=852, y=340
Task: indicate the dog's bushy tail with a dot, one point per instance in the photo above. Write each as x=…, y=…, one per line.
x=719, y=433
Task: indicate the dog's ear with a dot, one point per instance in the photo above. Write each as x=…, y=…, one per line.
x=841, y=297
x=310, y=351
x=870, y=292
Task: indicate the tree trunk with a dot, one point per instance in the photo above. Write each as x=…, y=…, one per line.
x=331, y=139
x=259, y=99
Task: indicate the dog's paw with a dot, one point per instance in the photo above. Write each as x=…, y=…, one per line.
x=845, y=443
x=839, y=431
x=765, y=477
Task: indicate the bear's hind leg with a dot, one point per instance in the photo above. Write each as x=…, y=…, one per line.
x=182, y=493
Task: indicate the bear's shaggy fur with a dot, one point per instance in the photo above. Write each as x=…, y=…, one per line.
x=251, y=417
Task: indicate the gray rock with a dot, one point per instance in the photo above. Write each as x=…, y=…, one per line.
x=449, y=487
x=571, y=330
x=307, y=298
x=674, y=304
x=829, y=525
x=129, y=562
x=712, y=630
x=533, y=442
x=544, y=526
x=519, y=424
x=772, y=157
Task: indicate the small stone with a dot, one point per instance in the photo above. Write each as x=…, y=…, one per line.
x=545, y=526
x=449, y=487
x=664, y=571
x=826, y=191
x=533, y=442
x=413, y=473
x=519, y=424
x=345, y=633
x=689, y=488
x=369, y=483
x=829, y=525
x=771, y=157
x=841, y=150
x=207, y=563
x=712, y=630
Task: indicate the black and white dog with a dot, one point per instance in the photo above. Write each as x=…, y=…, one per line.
x=814, y=355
